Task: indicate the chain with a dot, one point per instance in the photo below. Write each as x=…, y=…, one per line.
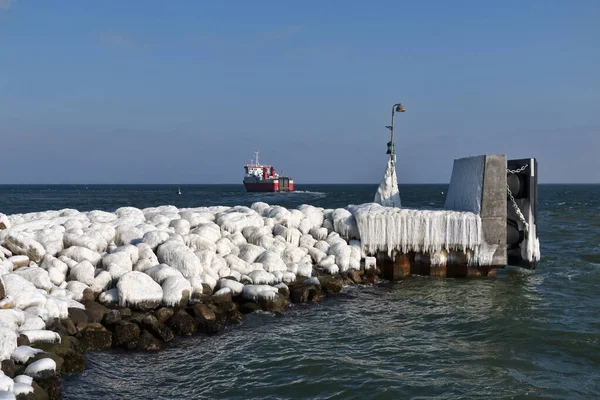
x=517, y=171
x=512, y=199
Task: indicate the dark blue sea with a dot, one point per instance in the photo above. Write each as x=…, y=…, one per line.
x=521, y=335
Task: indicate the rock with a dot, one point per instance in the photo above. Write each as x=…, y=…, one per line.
x=69, y=326
x=41, y=369
x=206, y=289
x=204, y=318
x=18, y=261
x=331, y=285
x=2, y=292
x=354, y=276
x=158, y=330
x=147, y=342
x=95, y=311
x=51, y=386
x=94, y=337
x=163, y=314
x=78, y=316
x=304, y=292
x=249, y=307
x=57, y=326
x=20, y=244
x=23, y=340
x=126, y=334
x=283, y=290
x=125, y=313
x=181, y=323
x=8, y=367
x=70, y=351
x=39, y=392
x=137, y=317
x=276, y=304
x=111, y=317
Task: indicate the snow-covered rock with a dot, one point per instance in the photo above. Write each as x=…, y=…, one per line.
x=138, y=290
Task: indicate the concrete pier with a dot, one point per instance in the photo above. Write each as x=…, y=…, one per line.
x=479, y=185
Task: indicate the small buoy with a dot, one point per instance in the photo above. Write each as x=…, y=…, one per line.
x=442, y=192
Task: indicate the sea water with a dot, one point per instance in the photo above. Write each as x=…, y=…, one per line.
x=520, y=335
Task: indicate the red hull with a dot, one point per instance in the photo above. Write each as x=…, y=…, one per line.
x=262, y=187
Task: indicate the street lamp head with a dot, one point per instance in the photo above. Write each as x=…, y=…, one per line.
x=400, y=108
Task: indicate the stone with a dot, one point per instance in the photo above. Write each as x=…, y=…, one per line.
x=249, y=307
x=69, y=326
x=147, y=342
x=111, y=317
x=95, y=311
x=354, y=276
x=126, y=334
x=158, y=330
x=88, y=295
x=163, y=314
x=58, y=327
x=206, y=289
x=182, y=323
x=277, y=304
x=94, y=337
x=137, y=317
x=304, y=292
x=202, y=311
x=78, y=316
x=23, y=340
x=51, y=386
x=69, y=350
x=125, y=313
x=2, y=291
x=39, y=392
x=331, y=285
x=8, y=367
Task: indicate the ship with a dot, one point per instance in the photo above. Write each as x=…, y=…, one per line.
x=263, y=178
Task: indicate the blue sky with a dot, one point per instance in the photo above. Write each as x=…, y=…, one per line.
x=184, y=92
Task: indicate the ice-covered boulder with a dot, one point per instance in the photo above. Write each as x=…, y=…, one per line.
x=177, y=255
x=36, y=275
x=250, y=252
x=94, y=242
x=161, y=272
x=22, y=354
x=271, y=261
x=78, y=254
x=235, y=287
x=259, y=292
x=180, y=226
x=138, y=290
x=260, y=277
x=209, y=231
x=83, y=272
x=19, y=244
x=23, y=293
x=155, y=238
x=41, y=368
x=176, y=289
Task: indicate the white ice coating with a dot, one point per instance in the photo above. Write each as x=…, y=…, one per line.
x=36, y=368
x=387, y=193
x=391, y=229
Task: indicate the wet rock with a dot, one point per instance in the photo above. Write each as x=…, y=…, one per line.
x=160, y=331
x=23, y=340
x=40, y=394
x=58, y=327
x=249, y=307
x=284, y=290
x=111, y=317
x=126, y=334
x=2, y=291
x=94, y=337
x=78, y=316
x=69, y=326
x=163, y=314
x=206, y=290
x=137, y=317
x=204, y=318
x=51, y=386
x=182, y=323
x=88, y=295
x=354, y=276
x=147, y=342
x=305, y=292
x=28, y=396
x=331, y=285
x=95, y=311
x=69, y=350
x=277, y=304
x=8, y=367
x=125, y=313
x=223, y=303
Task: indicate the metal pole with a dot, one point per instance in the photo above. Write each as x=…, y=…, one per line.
x=393, y=153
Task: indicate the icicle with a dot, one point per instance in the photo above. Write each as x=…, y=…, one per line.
x=387, y=192
x=423, y=231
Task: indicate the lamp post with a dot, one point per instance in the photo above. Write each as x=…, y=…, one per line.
x=391, y=147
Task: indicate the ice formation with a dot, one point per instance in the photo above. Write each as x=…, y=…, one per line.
x=387, y=193
x=391, y=229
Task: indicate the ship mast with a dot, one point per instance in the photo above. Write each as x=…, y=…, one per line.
x=256, y=158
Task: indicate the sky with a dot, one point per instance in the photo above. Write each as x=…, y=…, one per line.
x=185, y=91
